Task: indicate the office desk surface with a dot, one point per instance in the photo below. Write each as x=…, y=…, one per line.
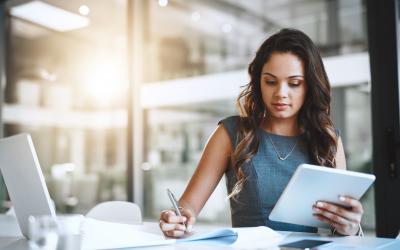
x=11, y=239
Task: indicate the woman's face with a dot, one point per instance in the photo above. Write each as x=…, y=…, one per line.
x=283, y=85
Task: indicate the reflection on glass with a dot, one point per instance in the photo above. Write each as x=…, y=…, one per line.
x=43, y=232
x=174, y=150
x=359, y=142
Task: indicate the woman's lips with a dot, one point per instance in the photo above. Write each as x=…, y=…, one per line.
x=280, y=106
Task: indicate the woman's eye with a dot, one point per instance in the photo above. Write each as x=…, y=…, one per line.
x=294, y=83
x=270, y=82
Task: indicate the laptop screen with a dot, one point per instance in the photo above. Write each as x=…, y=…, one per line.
x=24, y=179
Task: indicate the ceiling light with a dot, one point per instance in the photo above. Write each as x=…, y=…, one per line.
x=49, y=16
x=84, y=10
x=163, y=3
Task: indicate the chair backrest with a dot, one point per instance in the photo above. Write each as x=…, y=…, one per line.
x=116, y=211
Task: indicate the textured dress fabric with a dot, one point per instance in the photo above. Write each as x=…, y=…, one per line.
x=266, y=177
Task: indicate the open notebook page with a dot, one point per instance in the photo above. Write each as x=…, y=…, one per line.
x=107, y=235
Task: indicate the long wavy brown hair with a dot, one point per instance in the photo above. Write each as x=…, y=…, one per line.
x=313, y=118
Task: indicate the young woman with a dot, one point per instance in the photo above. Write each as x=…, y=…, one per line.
x=285, y=121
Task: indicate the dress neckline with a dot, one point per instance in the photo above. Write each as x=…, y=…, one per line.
x=281, y=136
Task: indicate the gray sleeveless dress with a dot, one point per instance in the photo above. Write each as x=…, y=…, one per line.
x=267, y=176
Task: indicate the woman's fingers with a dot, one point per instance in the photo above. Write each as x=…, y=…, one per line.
x=348, y=214
x=334, y=224
x=170, y=217
x=355, y=204
x=344, y=220
x=331, y=216
x=191, y=217
x=175, y=226
x=349, y=228
x=174, y=233
x=334, y=209
x=171, y=226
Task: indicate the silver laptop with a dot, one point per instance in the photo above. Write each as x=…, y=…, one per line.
x=24, y=179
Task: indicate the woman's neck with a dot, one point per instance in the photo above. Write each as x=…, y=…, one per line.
x=286, y=127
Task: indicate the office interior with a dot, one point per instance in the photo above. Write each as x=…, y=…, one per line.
x=120, y=96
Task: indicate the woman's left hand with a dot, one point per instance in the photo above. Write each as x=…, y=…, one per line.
x=346, y=221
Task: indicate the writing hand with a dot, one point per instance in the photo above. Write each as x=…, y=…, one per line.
x=172, y=225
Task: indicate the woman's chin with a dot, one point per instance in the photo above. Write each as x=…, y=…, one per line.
x=281, y=115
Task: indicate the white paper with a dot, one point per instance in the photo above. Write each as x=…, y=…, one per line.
x=255, y=237
x=107, y=235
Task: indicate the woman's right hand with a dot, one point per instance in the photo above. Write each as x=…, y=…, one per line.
x=173, y=225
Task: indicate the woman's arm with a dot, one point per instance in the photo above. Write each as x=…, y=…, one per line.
x=213, y=163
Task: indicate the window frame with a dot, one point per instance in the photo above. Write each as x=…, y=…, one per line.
x=382, y=23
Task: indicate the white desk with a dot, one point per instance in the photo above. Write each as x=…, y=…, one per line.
x=11, y=239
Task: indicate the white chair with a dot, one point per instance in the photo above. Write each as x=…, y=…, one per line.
x=116, y=211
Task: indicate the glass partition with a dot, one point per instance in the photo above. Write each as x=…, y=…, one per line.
x=66, y=86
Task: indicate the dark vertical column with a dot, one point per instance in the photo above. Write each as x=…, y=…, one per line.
x=3, y=39
x=382, y=38
x=333, y=27
x=333, y=48
x=130, y=160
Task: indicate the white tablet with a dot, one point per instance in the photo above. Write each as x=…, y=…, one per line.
x=310, y=184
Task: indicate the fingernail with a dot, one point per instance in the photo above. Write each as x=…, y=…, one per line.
x=189, y=228
x=342, y=198
x=320, y=204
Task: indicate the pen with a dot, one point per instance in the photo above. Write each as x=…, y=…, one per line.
x=174, y=203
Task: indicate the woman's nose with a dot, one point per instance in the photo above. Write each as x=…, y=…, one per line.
x=282, y=90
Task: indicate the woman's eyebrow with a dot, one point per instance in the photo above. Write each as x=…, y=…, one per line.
x=295, y=76
x=267, y=73
x=272, y=75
